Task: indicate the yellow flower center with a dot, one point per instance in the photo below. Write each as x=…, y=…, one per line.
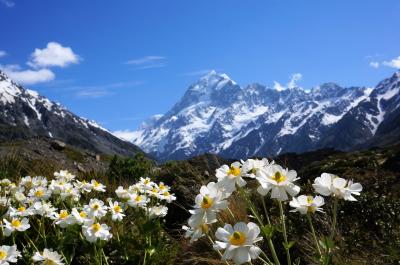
x=138, y=198
x=82, y=214
x=96, y=206
x=39, y=193
x=161, y=187
x=96, y=227
x=166, y=193
x=21, y=209
x=207, y=202
x=49, y=262
x=15, y=223
x=204, y=228
x=237, y=238
x=147, y=181
x=279, y=177
x=234, y=171
x=309, y=199
x=63, y=214
x=154, y=190
x=117, y=208
x=3, y=255
x=96, y=184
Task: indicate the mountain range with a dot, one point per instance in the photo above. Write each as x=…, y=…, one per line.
x=25, y=114
x=216, y=115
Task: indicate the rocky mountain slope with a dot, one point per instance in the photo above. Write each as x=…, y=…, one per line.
x=25, y=114
x=216, y=115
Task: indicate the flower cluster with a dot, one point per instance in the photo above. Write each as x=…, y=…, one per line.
x=65, y=203
x=239, y=241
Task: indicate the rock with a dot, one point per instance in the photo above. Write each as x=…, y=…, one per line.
x=58, y=145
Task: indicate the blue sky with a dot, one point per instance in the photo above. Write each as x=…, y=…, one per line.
x=119, y=62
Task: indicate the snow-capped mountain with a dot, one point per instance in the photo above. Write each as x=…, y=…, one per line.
x=24, y=114
x=216, y=115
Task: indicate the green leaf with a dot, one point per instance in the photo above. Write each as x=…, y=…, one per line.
x=268, y=230
x=288, y=245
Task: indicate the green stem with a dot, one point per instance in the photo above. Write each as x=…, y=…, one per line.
x=265, y=210
x=335, y=206
x=231, y=213
x=313, y=233
x=105, y=257
x=212, y=243
x=269, y=240
x=30, y=241
x=268, y=261
x=284, y=233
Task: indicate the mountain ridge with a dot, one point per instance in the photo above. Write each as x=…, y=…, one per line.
x=216, y=115
x=25, y=114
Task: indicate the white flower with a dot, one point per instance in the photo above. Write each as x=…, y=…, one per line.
x=307, y=204
x=16, y=224
x=70, y=192
x=158, y=211
x=279, y=181
x=84, y=186
x=122, y=193
x=168, y=197
x=39, y=193
x=328, y=184
x=137, y=200
x=93, y=231
x=80, y=217
x=20, y=197
x=146, y=183
x=48, y=256
x=196, y=232
x=21, y=211
x=44, y=209
x=98, y=186
x=57, y=186
x=26, y=182
x=9, y=254
x=64, y=174
x=39, y=181
x=95, y=209
x=208, y=203
x=117, y=213
x=4, y=201
x=64, y=219
x=228, y=177
x=238, y=242
x=253, y=167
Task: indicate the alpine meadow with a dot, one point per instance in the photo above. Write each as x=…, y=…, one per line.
x=200, y=132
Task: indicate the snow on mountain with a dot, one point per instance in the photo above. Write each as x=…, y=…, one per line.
x=216, y=115
x=24, y=113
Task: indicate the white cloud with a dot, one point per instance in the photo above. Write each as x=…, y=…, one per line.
x=126, y=135
x=27, y=77
x=395, y=63
x=2, y=53
x=148, y=62
x=93, y=93
x=7, y=3
x=374, y=64
x=53, y=55
x=294, y=78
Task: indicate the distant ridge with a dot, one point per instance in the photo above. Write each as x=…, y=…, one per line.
x=25, y=114
x=216, y=115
